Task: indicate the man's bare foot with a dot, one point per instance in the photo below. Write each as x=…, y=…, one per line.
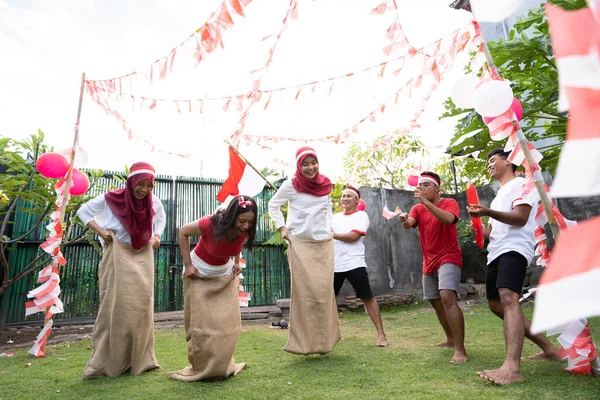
x=459, y=357
x=447, y=343
x=239, y=367
x=542, y=356
x=382, y=341
x=501, y=376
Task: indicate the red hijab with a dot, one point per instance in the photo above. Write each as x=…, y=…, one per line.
x=135, y=215
x=320, y=185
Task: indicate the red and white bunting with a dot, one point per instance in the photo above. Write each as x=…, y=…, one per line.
x=45, y=297
x=198, y=45
x=568, y=289
x=292, y=13
x=576, y=45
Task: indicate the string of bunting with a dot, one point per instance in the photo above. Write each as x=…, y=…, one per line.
x=109, y=96
x=254, y=93
x=45, y=297
x=202, y=42
x=434, y=67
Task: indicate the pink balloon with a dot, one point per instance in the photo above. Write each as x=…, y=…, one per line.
x=516, y=107
x=79, y=183
x=52, y=165
x=361, y=206
x=413, y=180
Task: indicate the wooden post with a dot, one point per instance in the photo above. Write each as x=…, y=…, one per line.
x=66, y=193
x=537, y=176
x=252, y=166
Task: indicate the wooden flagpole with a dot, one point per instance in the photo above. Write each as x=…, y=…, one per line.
x=67, y=194
x=252, y=166
x=537, y=176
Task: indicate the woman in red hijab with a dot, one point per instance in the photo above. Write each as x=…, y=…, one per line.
x=129, y=223
x=310, y=255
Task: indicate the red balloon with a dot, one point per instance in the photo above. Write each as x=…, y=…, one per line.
x=516, y=107
x=413, y=180
x=52, y=165
x=79, y=183
x=361, y=206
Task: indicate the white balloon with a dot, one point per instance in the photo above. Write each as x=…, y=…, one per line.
x=463, y=92
x=494, y=10
x=493, y=98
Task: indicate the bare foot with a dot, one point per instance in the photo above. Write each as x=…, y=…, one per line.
x=239, y=367
x=501, y=376
x=542, y=356
x=382, y=341
x=447, y=343
x=459, y=357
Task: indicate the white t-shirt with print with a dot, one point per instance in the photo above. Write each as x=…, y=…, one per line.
x=349, y=256
x=505, y=238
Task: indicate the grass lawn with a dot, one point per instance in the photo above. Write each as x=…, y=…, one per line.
x=409, y=368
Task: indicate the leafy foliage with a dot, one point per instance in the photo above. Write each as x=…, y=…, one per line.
x=25, y=190
x=383, y=166
x=525, y=59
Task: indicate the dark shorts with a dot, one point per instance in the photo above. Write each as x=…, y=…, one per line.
x=358, y=278
x=506, y=271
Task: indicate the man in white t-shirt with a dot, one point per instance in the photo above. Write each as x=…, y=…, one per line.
x=349, y=230
x=510, y=250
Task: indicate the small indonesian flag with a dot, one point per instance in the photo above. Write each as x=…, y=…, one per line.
x=576, y=46
x=387, y=214
x=242, y=180
x=568, y=288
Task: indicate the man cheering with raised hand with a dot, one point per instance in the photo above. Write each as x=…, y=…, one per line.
x=436, y=220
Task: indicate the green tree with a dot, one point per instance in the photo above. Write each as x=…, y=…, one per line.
x=525, y=59
x=386, y=165
x=23, y=189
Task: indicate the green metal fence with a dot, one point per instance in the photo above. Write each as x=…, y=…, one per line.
x=185, y=199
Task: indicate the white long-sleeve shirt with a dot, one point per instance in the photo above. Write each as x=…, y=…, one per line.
x=98, y=210
x=308, y=217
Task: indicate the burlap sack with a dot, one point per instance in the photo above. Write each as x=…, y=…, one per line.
x=314, y=324
x=212, y=328
x=124, y=331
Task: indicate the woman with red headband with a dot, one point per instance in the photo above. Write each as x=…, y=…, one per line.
x=129, y=223
x=211, y=303
x=314, y=325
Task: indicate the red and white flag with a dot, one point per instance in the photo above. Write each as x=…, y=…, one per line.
x=568, y=288
x=576, y=46
x=242, y=180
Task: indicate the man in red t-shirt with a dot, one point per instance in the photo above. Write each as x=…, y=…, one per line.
x=442, y=259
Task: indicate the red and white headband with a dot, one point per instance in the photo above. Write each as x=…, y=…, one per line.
x=354, y=192
x=142, y=171
x=305, y=153
x=428, y=178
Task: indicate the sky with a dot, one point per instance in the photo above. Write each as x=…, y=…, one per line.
x=46, y=45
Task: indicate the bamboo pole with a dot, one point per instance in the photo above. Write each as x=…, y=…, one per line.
x=66, y=193
x=537, y=176
x=252, y=166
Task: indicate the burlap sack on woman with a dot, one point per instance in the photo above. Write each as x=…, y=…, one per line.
x=212, y=328
x=124, y=330
x=314, y=324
